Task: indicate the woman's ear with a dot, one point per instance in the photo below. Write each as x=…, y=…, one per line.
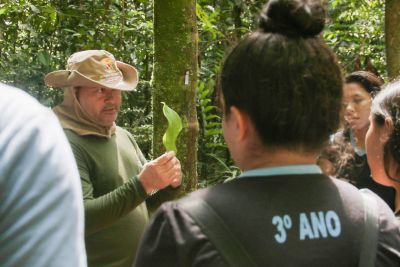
x=387, y=130
x=241, y=122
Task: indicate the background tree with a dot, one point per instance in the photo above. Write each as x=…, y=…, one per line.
x=392, y=34
x=175, y=80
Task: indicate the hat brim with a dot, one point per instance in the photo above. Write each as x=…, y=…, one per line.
x=67, y=78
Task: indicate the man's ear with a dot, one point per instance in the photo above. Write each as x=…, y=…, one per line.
x=241, y=121
x=386, y=130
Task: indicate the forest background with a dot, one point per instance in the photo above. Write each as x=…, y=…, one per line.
x=37, y=37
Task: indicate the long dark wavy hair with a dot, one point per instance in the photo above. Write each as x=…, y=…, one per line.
x=347, y=162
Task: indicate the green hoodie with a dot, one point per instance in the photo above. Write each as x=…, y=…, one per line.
x=108, y=161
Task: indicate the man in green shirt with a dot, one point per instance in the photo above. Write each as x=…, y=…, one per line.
x=114, y=174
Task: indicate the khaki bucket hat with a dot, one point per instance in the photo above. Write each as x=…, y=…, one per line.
x=94, y=68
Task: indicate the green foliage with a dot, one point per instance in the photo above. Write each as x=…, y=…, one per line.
x=37, y=36
x=173, y=130
x=356, y=28
x=214, y=161
x=221, y=25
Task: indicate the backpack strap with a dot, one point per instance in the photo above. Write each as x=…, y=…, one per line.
x=218, y=232
x=371, y=229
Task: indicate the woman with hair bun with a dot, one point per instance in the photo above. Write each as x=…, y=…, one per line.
x=359, y=89
x=281, y=94
x=383, y=140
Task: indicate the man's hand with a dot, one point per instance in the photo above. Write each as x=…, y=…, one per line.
x=161, y=172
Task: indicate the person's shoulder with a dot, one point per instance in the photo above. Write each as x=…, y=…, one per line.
x=388, y=235
x=70, y=133
x=17, y=95
x=343, y=184
x=23, y=116
x=124, y=135
x=120, y=131
x=176, y=204
x=177, y=210
x=200, y=193
x=74, y=138
x=380, y=202
x=17, y=104
x=388, y=232
x=350, y=193
x=212, y=194
x=387, y=218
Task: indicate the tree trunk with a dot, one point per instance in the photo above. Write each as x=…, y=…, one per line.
x=122, y=30
x=175, y=82
x=392, y=32
x=237, y=13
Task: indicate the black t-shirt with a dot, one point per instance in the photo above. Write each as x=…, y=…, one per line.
x=291, y=220
x=363, y=179
x=357, y=171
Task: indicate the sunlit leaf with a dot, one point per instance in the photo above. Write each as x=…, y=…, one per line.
x=173, y=130
x=44, y=58
x=34, y=8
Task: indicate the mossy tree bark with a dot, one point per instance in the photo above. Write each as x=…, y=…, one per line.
x=175, y=82
x=392, y=32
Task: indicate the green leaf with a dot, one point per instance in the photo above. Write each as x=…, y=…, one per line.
x=34, y=8
x=3, y=10
x=44, y=58
x=208, y=108
x=68, y=30
x=51, y=12
x=213, y=124
x=213, y=132
x=173, y=130
x=212, y=116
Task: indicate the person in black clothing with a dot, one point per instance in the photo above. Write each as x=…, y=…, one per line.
x=383, y=139
x=359, y=89
x=281, y=94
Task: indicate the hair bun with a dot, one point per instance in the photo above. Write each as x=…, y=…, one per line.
x=305, y=18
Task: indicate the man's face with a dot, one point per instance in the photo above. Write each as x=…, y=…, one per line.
x=100, y=104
